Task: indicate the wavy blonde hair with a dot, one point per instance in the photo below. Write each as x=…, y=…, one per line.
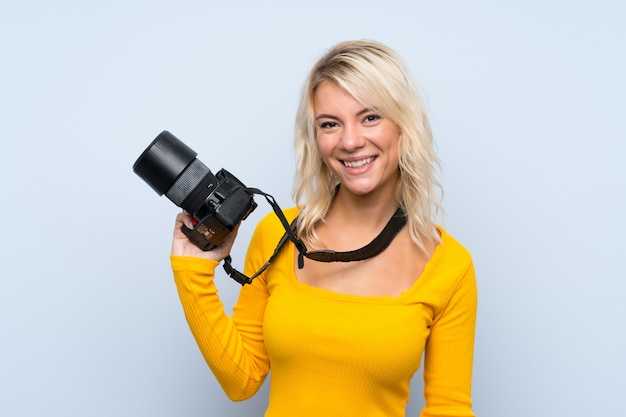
x=376, y=77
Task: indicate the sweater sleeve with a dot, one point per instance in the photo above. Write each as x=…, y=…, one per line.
x=233, y=348
x=449, y=353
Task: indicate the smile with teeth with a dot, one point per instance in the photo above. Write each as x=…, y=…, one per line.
x=357, y=164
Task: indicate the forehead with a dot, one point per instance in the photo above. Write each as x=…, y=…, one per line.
x=330, y=96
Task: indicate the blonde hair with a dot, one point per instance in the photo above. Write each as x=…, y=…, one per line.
x=376, y=77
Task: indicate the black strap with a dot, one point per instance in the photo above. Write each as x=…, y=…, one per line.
x=376, y=246
x=289, y=231
x=289, y=235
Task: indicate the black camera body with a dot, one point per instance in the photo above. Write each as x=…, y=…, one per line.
x=217, y=203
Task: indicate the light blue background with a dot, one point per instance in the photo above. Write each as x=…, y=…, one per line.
x=527, y=100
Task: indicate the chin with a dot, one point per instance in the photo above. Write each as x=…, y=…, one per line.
x=359, y=191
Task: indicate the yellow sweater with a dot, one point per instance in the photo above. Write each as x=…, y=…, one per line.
x=331, y=354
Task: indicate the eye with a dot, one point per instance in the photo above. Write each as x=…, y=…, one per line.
x=328, y=125
x=371, y=118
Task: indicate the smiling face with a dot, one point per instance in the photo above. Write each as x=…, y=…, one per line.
x=356, y=142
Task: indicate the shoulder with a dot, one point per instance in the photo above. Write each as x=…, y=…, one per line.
x=270, y=229
x=453, y=247
x=272, y=220
x=454, y=277
x=457, y=258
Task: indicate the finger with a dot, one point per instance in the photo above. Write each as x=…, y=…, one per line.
x=184, y=218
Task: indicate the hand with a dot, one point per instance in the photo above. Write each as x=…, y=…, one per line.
x=182, y=246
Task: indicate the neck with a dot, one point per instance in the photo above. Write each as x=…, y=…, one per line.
x=369, y=210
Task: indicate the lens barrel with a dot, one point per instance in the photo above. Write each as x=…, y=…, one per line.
x=163, y=161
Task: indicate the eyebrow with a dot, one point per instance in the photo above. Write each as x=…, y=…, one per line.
x=330, y=116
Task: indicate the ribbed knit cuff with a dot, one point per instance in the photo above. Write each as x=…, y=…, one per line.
x=199, y=266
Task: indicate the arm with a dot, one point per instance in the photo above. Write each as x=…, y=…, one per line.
x=449, y=353
x=233, y=349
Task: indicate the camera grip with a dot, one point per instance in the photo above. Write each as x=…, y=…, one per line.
x=197, y=238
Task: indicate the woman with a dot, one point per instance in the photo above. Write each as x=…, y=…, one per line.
x=345, y=338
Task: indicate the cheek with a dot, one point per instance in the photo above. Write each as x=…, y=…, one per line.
x=325, y=149
x=394, y=142
x=324, y=146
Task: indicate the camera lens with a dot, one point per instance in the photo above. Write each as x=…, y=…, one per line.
x=163, y=161
x=170, y=167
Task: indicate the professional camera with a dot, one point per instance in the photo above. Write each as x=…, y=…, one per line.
x=217, y=203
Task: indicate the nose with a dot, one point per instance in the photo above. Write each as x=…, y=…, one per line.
x=351, y=139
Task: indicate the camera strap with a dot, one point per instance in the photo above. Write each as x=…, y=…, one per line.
x=376, y=246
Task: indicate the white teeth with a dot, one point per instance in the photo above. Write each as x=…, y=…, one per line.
x=356, y=164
